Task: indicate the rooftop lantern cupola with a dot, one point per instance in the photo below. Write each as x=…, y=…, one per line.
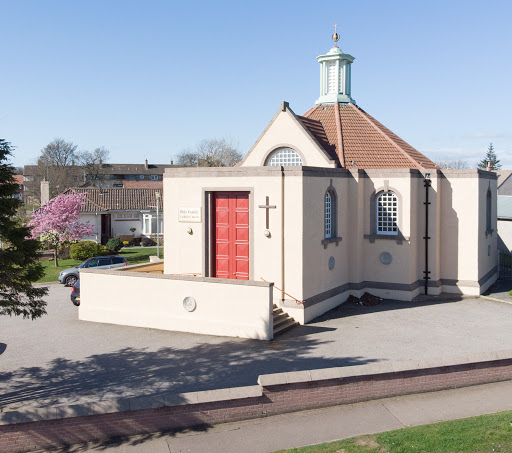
x=335, y=75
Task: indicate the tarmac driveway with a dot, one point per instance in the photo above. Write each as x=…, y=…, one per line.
x=61, y=360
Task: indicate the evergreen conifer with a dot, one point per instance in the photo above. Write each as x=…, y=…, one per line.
x=19, y=265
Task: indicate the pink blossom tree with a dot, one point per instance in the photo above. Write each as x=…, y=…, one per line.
x=57, y=221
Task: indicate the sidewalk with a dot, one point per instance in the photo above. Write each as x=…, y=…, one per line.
x=499, y=291
x=322, y=425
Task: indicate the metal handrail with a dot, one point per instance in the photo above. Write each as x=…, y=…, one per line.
x=284, y=292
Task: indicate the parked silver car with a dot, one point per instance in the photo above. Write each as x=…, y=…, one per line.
x=71, y=275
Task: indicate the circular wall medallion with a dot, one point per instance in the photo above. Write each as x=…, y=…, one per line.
x=332, y=262
x=386, y=258
x=189, y=304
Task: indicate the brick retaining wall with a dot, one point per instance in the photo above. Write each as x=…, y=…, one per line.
x=276, y=394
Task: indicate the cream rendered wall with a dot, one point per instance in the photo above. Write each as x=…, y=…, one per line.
x=285, y=131
x=464, y=245
x=318, y=278
x=357, y=258
x=156, y=301
x=317, y=275
x=402, y=269
x=186, y=253
x=488, y=242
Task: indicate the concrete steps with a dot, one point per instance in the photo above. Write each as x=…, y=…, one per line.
x=282, y=321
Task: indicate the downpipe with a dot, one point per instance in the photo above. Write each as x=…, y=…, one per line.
x=427, y=182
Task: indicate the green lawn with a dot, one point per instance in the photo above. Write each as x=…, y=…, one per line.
x=486, y=433
x=134, y=255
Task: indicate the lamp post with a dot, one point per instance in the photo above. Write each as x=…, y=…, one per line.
x=157, y=194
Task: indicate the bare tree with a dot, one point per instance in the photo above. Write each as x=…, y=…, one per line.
x=58, y=153
x=92, y=163
x=188, y=158
x=458, y=164
x=211, y=153
x=56, y=164
x=64, y=167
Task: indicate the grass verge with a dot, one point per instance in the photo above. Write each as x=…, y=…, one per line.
x=135, y=255
x=485, y=433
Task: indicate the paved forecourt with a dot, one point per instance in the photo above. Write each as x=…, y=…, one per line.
x=61, y=360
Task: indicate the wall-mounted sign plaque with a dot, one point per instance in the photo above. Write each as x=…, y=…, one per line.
x=189, y=215
x=332, y=262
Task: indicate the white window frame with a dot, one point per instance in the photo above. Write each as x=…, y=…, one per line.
x=386, y=214
x=328, y=215
x=151, y=216
x=154, y=177
x=127, y=216
x=284, y=157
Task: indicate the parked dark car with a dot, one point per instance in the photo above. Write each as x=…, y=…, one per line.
x=70, y=276
x=75, y=293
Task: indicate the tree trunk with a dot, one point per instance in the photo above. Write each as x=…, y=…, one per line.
x=56, y=256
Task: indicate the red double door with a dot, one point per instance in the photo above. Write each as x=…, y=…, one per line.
x=230, y=235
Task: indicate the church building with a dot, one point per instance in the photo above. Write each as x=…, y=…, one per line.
x=325, y=205
x=329, y=204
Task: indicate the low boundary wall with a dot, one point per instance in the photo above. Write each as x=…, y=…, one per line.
x=136, y=296
x=276, y=394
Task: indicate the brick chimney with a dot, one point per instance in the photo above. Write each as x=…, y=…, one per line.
x=146, y=166
x=45, y=192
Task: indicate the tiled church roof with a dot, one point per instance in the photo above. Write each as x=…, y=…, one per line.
x=119, y=199
x=365, y=143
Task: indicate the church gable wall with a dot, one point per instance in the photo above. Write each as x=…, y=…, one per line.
x=285, y=131
x=188, y=252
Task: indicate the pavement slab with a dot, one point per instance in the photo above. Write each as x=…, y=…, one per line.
x=59, y=360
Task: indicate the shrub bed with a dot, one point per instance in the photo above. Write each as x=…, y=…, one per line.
x=87, y=249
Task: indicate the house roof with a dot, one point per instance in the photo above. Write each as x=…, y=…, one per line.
x=504, y=207
x=18, y=179
x=357, y=140
x=127, y=184
x=119, y=199
x=504, y=182
x=113, y=169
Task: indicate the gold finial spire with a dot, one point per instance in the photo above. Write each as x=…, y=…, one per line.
x=335, y=36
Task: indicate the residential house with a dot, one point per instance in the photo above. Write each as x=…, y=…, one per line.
x=115, y=212
x=109, y=176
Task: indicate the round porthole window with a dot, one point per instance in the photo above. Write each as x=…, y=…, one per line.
x=189, y=304
x=386, y=258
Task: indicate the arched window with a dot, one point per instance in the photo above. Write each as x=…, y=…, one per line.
x=488, y=211
x=330, y=209
x=283, y=157
x=387, y=214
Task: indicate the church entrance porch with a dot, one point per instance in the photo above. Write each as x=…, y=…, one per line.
x=230, y=235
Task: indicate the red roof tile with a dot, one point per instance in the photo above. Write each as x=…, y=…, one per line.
x=365, y=143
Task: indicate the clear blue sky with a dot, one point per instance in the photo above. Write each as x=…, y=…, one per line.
x=146, y=79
